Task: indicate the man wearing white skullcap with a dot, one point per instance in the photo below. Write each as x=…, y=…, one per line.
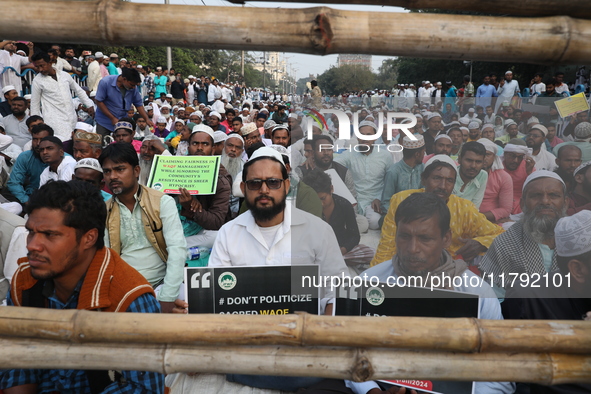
x=473, y=131
x=471, y=180
x=529, y=245
x=434, y=127
x=567, y=295
x=9, y=92
x=518, y=164
x=497, y=203
x=511, y=131
x=471, y=232
x=89, y=170
x=580, y=196
x=405, y=174
x=368, y=166
x=443, y=146
x=536, y=140
x=508, y=88
x=582, y=141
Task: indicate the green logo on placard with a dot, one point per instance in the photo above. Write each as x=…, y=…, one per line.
x=375, y=296
x=227, y=281
x=157, y=186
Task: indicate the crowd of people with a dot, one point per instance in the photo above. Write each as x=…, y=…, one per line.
x=480, y=188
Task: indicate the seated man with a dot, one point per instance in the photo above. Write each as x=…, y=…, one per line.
x=518, y=164
x=570, y=300
x=24, y=178
x=497, y=203
x=423, y=238
x=59, y=167
x=151, y=146
x=339, y=213
x=232, y=162
x=472, y=233
x=536, y=139
x=443, y=145
x=124, y=133
x=65, y=263
x=208, y=212
x=568, y=158
x=90, y=170
x=528, y=246
x=471, y=179
x=87, y=145
x=143, y=225
x=580, y=196
x=368, y=166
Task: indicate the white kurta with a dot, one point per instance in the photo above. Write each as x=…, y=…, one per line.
x=52, y=99
x=64, y=172
x=9, y=77
x=94, y=76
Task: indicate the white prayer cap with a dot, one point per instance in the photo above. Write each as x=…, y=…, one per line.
x=540, y=127
x=84, y=126
x=542, y=174
x=8, y=88
x=473, y=125
x=368, y=123
x=583, y=130
x=269, y=152
x=99, y=55
x=579, y=168
x=93, y=94
x=464, y=120
x=219, y=136
x=249, y=128
x=148, y=107
x=509, y=122
x=520, y=149
x=139, y=66
x=488, y=126
x=533, y=119
x=201, y=128
x=161, y=119
x=433, y=115
x=27, y=96
x=294, y=116
x=442, y=158
x=264, y=110
x=197, y=113
x=235, y=135
x=169, y=95
x=124, y=60
x=407, y=143
x=88, y=162
x=440, y=136
x=269, y=124
x=508, y=72
x=573, y=234
x=165, y=106
x=216, y=114
x=471, y=110
x=191, y=76
x=179, y=121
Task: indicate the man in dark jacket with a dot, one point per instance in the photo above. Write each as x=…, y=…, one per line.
x=209, y=212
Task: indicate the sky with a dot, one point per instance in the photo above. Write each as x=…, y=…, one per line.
x=305, y=64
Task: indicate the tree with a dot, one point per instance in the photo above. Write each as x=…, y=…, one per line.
x=347, y=78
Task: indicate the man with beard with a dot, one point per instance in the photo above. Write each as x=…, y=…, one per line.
x=571, y=299
x=143, y=225
x=443, y=146
x=15, y=124
x=90, y=170
x=528, y=245
x=423, y=238
x=280, y=135
x=472, y=233
x=323, y=155
x=518, y=164
x=151, y=145
x=219, y=141
x=471, y=182
x=68, y=267
x=294, y=127
x=498, y=196
x=580, y=196
x=233, y=163
x=434, y=128
x=209, y=212
x=567, y=160
x=24, y=178
x=536, y=139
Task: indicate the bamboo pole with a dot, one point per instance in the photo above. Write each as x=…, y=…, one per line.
x=574, y=8
x=461, y=335
x=337, y=363
x=320, y=30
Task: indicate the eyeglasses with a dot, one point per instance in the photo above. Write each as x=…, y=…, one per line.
x=256, y=184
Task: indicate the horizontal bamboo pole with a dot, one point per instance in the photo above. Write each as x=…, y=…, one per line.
x=320, y=30
x=338, y=363
x=461, y=335
x=575, y=8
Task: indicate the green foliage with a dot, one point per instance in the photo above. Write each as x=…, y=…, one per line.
x=346, y=78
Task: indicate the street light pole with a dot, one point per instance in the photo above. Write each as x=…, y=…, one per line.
x=168, y=49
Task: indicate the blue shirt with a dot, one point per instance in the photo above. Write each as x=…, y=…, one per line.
x=26, y=171
x=112, y=69
x=75, y=381
x=109, y=93
x=399, y=177
x=485, y=91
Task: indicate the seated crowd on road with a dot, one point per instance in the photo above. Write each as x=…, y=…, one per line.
x=480, y=185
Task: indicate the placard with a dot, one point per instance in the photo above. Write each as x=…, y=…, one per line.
x=571, y=105
x=251, y=290
x=198, y=174
x=383, y=300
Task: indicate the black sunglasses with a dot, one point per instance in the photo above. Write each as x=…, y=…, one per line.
x=256, y=184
